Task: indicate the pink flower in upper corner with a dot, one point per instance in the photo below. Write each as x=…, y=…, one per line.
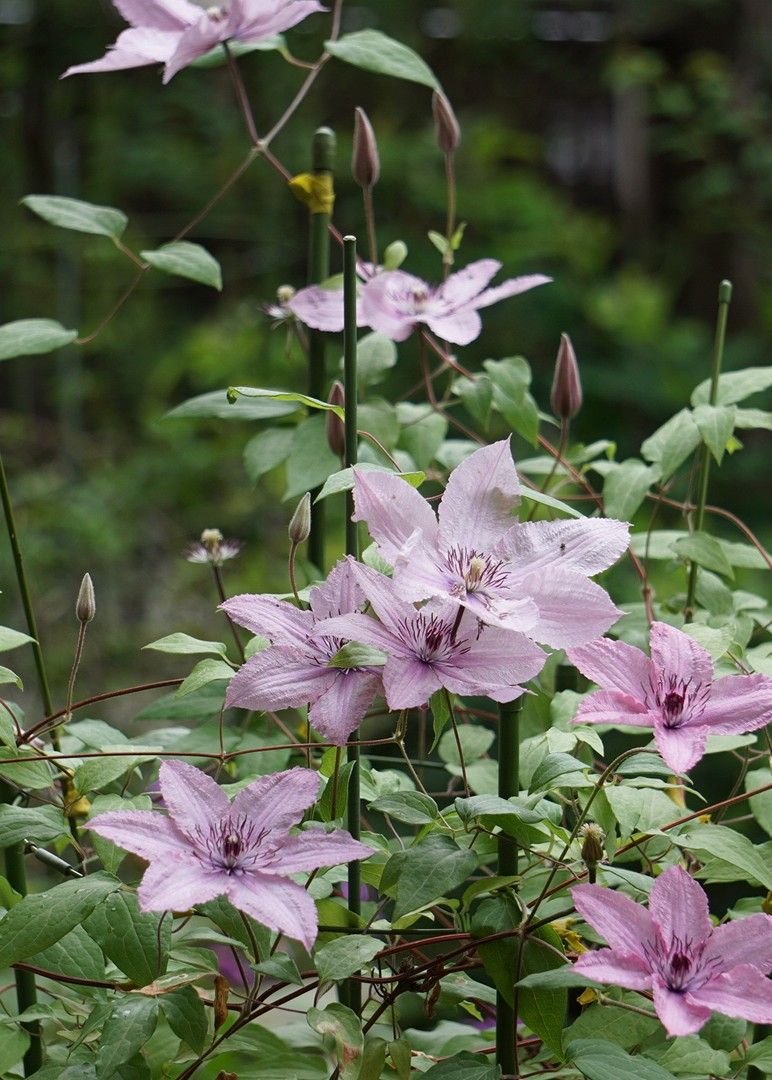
x=532, y=576
x=295, y=669
x=208, y=846
x=393, y=302
x=177, y=32
x=674, y=693
x=430, y=648
x=674, y=950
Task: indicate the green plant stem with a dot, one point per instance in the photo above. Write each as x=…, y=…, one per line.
x=509, y=784
x=450, y=228
x=323, y=157
x=724, y=300
x=353, y=989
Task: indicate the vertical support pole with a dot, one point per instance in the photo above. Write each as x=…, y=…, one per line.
x=323, y=159
x=509, y=784
x=352, y=548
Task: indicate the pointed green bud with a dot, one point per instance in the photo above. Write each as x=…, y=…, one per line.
x=394, y=255
x=85, y=605
x=446, y=126
x=300, y=525
x=336, y=429
x=365, y=162
x=566, y=397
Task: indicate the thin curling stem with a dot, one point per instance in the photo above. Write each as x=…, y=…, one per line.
x=323, y=155
x=353, y=989
x=509, y=785
x=450, y=175
x=372, y=241
x=724, y=300
x=220, y=586
x=75, y=665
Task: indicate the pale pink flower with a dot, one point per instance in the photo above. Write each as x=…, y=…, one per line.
x=532, y=576
x=176, y=32
x=295, y=670
x=436, y=646
x=674, y=693
x=208, y=846
x=673, y=949
x=321, y=306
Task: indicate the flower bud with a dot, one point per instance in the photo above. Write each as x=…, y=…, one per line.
x=85, y=605
x=365, y=162
x=592, y=837
x=566, y=397
x=220, y=1001
x=446, y=125
x=336, y=429
x=300, y=524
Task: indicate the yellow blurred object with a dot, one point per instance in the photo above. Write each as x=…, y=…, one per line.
x=315, y=190
x=588, y=996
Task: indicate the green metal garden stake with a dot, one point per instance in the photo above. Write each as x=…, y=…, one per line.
x=352, y=548
x=509, y=784
x=323, y=160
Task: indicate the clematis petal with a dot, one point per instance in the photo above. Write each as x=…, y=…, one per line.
x=742, y=992
x=159, y=14
x=408, y=683
x=678, y=907
x=146, y=833
x=618, y=968
x=393, y=510
x=197, y=40
x=466, y=284
x=625, y=925
x=479, y=500
x=680, y=1013
x=419, y=573
x=738, y=703
x=512, y=287
x=314, y=848
x=459, y=327
x=505, y=657
x=278, y=620
x=339, y=594
x=680, y=748
x=572, y=609
x=178, y=884
x=136, y=47
x=278, y=904
x=282, y=677
x=615, y=665
x=361, y=628
x=258, y=20
x=589, y=545
x=502, y=609
x=676, y=654
x=341, y=709
x=388, y=303
x=193, y=799
x=382, y=594
x=278, y=800
x=742, y=941
x=610, y=707
x=321, y=309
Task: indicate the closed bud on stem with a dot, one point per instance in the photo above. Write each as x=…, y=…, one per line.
x=365, y=162
x=592, y=837
x=85, y=605
x=336, y=430
x=566, y=397
x=300, y=524
x=446, y=125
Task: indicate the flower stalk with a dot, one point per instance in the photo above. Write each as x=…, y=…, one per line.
x=509, y=770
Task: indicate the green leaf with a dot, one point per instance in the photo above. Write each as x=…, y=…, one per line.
x=281, y=967
x=205, y=672
x=475, y=741
x=137, y=942
x=373, y=1059
x=511, y=378
x=344, y=479
x=760, y=1055
x=26, y=774
x=541, y=497
x=494, y=916
x=431, y=869
x=40, y=919
x=693, y=1056
x=735, y=386
x=12, y=639
x=345, y=955
x=412, y=807
x=266, y=450
x=216, y=406
x=13, y=1047
x=716, y=424
x=671, y=445
x=543, y=1009
x=559, y=978
x=39, y=823
x=660, y=545
x=126, y=1031
x=465, y=1066
x=185, y=645
x=373, y=51
x=761, y=805
x=706, y=551
x=96, y=773
x=599, y=1060
x=713, y=638
x=217, y=57
x=400, y=1054
x=310, y=460
x=753, y=418
x=559, y=770
x=355, y=655
x=376, y=355
x=345, y=1027
x=76, y=954
x=8, y=676
x=723, y=1032
x=260, y=393
x=477, y=396
x=186, y=260
x=110, y=855
x=77, y=215
x=186, y=1015
x=731, y=848
x=30, y=337
x=617, y=1026
x=639, y=810
x=625, y=487
x=423, y=432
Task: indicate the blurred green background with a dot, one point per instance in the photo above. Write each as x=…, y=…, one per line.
x=622, y=147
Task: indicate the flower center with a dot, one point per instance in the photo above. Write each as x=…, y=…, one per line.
x=432, y=639
x=216, y=14
x=420, y=298
x=475, y=572
x=679, y=700
x=682, y=966
x=233, y=845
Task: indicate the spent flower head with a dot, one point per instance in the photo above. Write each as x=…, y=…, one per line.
x=213, y=548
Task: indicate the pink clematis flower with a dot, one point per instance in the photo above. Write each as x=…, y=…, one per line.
x=176, y=32
x=394, y=303
x=208, y=846
x=437, y=646
x=531, y=577
x=673, y=949
x=295, y=670
x=674, y=693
